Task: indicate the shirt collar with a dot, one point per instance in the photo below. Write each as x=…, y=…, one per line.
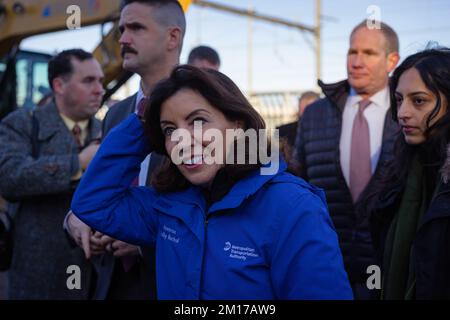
x=70, y=123
x=381, y=98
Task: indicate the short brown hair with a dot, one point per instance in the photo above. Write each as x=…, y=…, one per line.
x=310, y=95
x=392, y=42
x=61, y=65
x=168, y=13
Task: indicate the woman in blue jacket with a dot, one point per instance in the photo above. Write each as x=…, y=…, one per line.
x=227, y=224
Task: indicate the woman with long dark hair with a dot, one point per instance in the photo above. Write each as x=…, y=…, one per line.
x=227, y=223
x=411, y=215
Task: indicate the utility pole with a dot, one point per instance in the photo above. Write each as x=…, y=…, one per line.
x=250, y=51
x=318, y=41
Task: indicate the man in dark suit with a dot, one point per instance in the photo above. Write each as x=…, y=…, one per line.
x=151, y=39
x=345, y=140
x=43, y=154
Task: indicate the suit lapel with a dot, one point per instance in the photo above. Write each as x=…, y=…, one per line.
x=50, y=121
x=94, y=130
x=118, y=112
x=132, y=105
x=52, y=126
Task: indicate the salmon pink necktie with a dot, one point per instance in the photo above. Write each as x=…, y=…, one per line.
x=360, y=164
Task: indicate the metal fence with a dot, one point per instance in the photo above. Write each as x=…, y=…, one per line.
x=276, y=108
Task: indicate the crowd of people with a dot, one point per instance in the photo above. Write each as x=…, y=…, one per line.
x=148, y=208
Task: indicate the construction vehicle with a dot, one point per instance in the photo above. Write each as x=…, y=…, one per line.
x=109, y=56
x=23, y=74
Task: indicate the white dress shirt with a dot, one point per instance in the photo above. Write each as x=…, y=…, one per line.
x=375, y=114
x=144, y=165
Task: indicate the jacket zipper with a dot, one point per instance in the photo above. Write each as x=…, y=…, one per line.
x=206, y=222
x=354, y=234
x=203, y=256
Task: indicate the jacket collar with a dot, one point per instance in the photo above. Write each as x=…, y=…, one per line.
x=128, y=105
x=134, y=102
x=337, y=92
x=49, y=120
x=50, y=123
x=445, y=170
x=246, y=187
x=178, y=203
x=182, y=204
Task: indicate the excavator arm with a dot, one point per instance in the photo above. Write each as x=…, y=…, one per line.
x=20, y=19
x=25, y=18
x=108, y=55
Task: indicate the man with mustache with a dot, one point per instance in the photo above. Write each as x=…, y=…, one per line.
x=151, y=39
x=345, y=139
x=43, y=153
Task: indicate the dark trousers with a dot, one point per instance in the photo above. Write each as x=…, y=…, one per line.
x=361, y=292
x=138, y=283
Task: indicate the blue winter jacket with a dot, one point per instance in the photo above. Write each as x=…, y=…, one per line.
x=269, y=237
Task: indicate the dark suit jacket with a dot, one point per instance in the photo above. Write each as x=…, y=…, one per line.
x=118, y=112
x=317, y=151
x=289, y=132
x=112, y=281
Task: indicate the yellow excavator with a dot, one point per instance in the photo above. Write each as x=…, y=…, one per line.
x=23, y=74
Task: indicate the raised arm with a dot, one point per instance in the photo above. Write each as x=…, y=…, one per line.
x=105, y=199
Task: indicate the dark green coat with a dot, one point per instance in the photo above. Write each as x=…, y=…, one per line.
x=430, y=260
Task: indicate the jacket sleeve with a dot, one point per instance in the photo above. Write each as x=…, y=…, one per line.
x=22, y=175
x=306, y=260
x=105, y=199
